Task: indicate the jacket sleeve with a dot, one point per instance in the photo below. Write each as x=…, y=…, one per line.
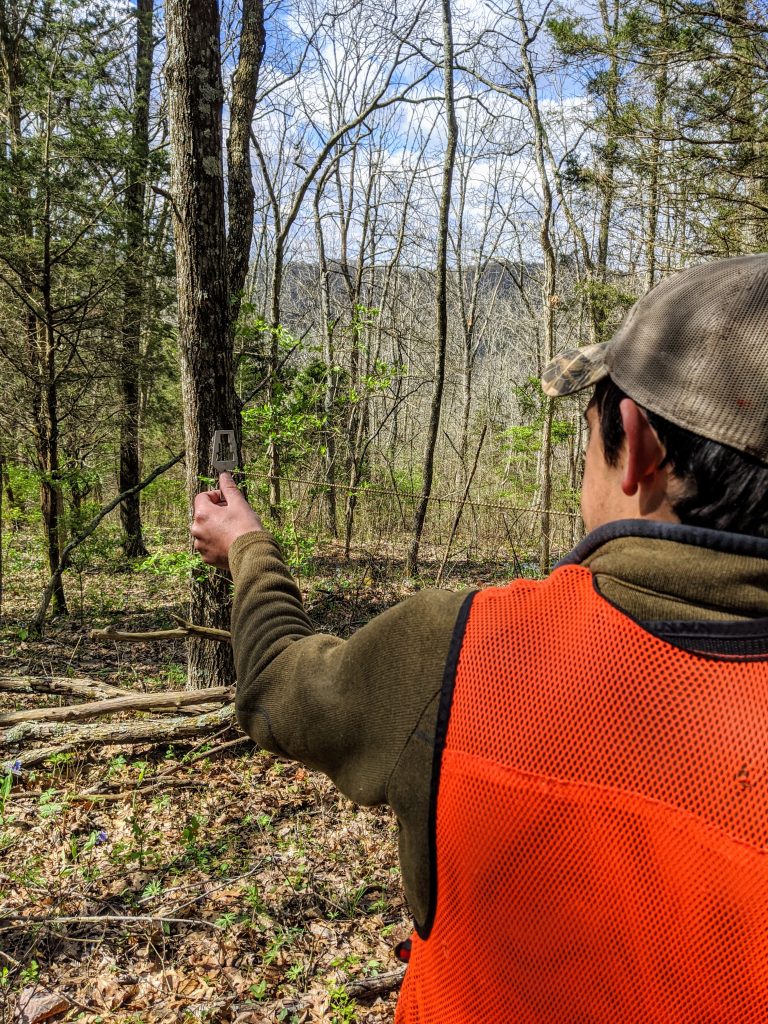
x=351, y=708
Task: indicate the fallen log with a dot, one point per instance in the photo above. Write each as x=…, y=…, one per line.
x=114, y=734
x=93, y=688
x=193, y=702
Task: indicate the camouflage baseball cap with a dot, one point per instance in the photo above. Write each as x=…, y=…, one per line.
x=693, y=350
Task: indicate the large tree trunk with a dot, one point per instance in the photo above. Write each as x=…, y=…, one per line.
x=130, y=384
x=195, y=103
x=441, y=295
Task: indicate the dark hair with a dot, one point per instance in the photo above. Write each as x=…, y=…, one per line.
x=723, y=488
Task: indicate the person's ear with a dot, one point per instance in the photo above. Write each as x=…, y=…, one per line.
x=644, y=451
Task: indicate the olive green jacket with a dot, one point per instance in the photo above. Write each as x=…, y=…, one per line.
x=364, y=710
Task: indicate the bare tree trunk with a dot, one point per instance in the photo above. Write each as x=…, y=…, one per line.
x=195, y=103
x=241, y=194
x=39, y=335
x=441, y=294
x=273, y=452
x=130, y=371
x=548, y=284
x=610, y=148
x=48, y=437
x=329, y=358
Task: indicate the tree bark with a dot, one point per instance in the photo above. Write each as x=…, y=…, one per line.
x=195, y=98
x=548, y=284
x=133, y=292
x=441, y=294
x=241, y=193
x=329, y=359
x=48, y=415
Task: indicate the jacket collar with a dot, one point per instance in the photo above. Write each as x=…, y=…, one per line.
x=679, y=533
x=668, y=571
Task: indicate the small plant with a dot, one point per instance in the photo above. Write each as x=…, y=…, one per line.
x=115, y=765
x=190, y=831
x=174, y=565
x=61, y=765
x=342, y=1006
x=282, y=939
x=48, y=806
x=5, y=793
x=258, y=991
x=30, y=974
x=141, y=770
x=152, y=890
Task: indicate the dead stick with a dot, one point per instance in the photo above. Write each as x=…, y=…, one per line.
x=460, y=510
x=129, y=702
x=181, y=632
x=376, y=985
x=106, y=919
x=125, y=794
x=207, y=631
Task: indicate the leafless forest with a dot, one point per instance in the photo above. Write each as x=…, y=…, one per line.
x=353, y=233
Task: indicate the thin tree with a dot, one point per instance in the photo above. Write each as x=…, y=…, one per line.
x=245, y=82
x=441, y=293
x=135, y=231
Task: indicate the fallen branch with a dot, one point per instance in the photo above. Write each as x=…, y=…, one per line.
x=104, y=919
x=115, y=734
x=181, y=632
x=375, y=986
x=85, y=533
x=129, y=794
x=359, y=988
x=193, y=701
x=92, y=688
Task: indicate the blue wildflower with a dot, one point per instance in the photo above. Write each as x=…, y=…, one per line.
x=101, y=837
x=16, y=767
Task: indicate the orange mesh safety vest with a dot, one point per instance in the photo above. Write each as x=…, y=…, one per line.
x=601, y=823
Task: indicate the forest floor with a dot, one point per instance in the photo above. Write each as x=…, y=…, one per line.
x=201, y=881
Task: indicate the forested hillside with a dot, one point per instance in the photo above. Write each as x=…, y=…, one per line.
x=352, y=234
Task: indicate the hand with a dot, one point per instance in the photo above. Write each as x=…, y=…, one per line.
x=220, y=517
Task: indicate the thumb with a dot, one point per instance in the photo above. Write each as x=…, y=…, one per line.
x=229, y=489
x=227, y=483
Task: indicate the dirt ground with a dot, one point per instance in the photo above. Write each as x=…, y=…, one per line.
x=195, y=881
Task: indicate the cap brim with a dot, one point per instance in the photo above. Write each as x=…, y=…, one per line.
x=574, y=370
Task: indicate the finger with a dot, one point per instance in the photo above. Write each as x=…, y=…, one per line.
x=228, y=489
x=201, y=503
